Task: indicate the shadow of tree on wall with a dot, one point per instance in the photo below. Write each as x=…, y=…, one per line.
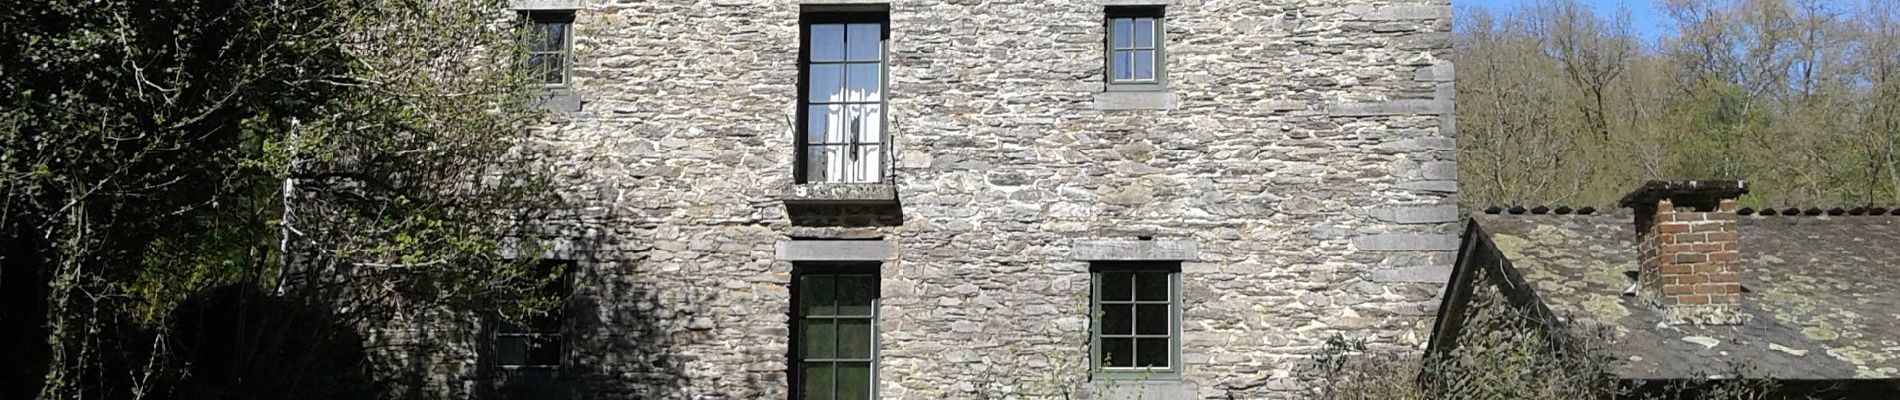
x=236, y=343
x=633, y=332
x=23, y=277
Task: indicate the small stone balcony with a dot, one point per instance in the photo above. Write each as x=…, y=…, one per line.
x=835, y=193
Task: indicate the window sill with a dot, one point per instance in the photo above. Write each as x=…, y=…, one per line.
x=519, y=372
x=1136, y=376
x=544, y=4
x=556, y=99
x=1135, y=100
x=840, y=193
x=1152, y=389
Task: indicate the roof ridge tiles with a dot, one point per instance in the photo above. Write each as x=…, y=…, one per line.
x=1783, y=211
x=1498, y=209
x=1836, y=211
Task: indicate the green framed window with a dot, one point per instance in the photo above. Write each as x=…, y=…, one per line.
x=835, y=332
x=842, y=107
x=539, y=342
x=550, y=43
x=1135, y=328
x=1137, y=56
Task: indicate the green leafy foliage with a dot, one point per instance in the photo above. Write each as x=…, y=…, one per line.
x=1558, y=104
x=342, y=159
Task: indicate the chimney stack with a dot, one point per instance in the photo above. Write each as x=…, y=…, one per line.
x=1690, y=250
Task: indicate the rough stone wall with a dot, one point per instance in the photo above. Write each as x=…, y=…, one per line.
x=1304, y=154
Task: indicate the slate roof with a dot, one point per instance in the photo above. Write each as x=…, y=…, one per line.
x=1822, y=294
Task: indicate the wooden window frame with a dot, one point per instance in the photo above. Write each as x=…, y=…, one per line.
x=564, y=286
x=801, y=270
x=801, y=155
x=534, y=19
x=1101, y=372
x=1160, y=80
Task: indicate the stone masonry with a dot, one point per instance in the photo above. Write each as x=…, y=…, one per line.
x=1300, y=165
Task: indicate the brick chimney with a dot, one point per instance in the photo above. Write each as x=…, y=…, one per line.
x=1690, y=251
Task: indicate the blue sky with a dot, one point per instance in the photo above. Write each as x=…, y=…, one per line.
x=1646, y=16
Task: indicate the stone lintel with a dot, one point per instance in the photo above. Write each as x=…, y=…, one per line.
x=1440, y=72
x=1419, y=274
x=1135, y=100
x=840, y=193
x=1385, y=108
x=1115, y=3
x=1412, y=308
x=1408, y=12
x=849, y=5
x=544, y=4
x=835, y=250
x=1417, y=214
x=1443, y=186
x=1135, y=250
x=1285, y=105
x=1406, y=242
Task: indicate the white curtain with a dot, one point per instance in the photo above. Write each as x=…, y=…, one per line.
x=865, y=121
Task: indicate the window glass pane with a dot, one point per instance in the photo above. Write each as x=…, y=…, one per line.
x=820, y=339
x=1144, y=64
x=824, y=123
x=827, y=42
x=1151, y=353
x=554, y=38
x=861, y=82
x=817, y=380
x=1121, y=33
x=867, y=123
x=1151, y=286
x=821, y=122
x=826, y=83
x=865, y=41
x=815, y=293
x=826, y=163
x=544, y=350
x=856, y=293
x=553, y=71
x=1118, y=352
x=854, y=338
x=1145, y=33
x=1117, y=319
x=866, y=167
x=1116, y=286
x=854, y=381
x=537, y=64
x=511, y=351
x=1121, y=68
x=1151, y=319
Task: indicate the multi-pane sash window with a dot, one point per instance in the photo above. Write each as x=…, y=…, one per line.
x=1135, y=42
x=1136, y=314
x=842, y=104
x=548, y=45
x=538, y=342
x=836, y=336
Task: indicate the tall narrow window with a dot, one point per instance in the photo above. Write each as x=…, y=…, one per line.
x=1136, y=60
x=549, y=42
x=842, y=105
x=539, y=341
x=1136, y=320
x=835, y=336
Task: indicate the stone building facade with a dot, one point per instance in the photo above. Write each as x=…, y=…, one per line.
x=1293, y=174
